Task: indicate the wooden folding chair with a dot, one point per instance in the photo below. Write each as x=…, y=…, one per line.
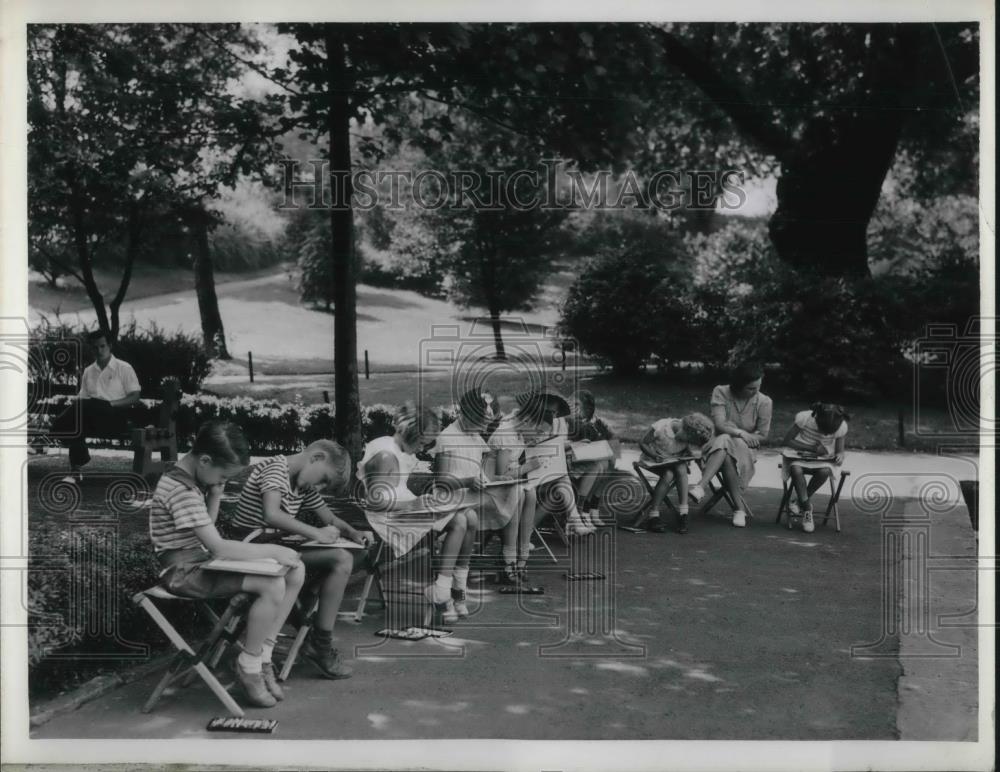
x=641, y=470
x=188, y=661
x=831, y=508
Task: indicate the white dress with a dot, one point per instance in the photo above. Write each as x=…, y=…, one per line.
x=809, y=432
x=399, y=535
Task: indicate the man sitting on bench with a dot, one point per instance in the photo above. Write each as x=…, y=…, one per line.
x=108, y=390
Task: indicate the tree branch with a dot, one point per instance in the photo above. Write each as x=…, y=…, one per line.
x=752, y=122
x=59, y=263
x=197, y=28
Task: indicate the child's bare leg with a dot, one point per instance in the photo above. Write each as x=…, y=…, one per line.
x=799, y=481
x=469, y=539
x=263, y=613
x=660, y=491
x=681, y=473
x=527, y=526
x=453, y=541
x=819, y=477
x=338, y=563
x=510, y=534
x=713, y=465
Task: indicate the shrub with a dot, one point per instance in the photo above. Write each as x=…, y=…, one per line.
x=628, y=304
x=115, y=567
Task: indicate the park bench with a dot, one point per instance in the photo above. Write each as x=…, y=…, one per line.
x=145, y=440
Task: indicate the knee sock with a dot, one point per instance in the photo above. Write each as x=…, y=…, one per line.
x=249, y=663
x=322, y=639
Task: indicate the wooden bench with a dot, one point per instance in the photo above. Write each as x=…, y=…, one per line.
x=144, y=441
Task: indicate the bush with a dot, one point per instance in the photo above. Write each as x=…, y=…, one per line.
x=628, y=304
x=111, y=565
x=153, y=353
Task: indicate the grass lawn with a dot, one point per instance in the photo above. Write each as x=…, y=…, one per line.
x=629, y=405
x=147, y=281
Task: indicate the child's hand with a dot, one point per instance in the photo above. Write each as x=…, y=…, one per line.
x=838, y=459
x=214, y=493
x=356, y=536
x=819, y=449
x=532, y=464
x=750, y=440
x=327, y=534
x=477, y=484
x=286, y=556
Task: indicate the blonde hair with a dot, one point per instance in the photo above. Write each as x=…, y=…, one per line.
x=698, y=428
x=335, y=453
x=413, y=423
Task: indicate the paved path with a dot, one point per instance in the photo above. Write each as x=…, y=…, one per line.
x=720, y=634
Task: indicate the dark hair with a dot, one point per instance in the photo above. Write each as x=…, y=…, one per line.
x=586, y=398
x=828, y=416
x=472, y=406
x=223, y=441
x=96, y=335
x=744, y=373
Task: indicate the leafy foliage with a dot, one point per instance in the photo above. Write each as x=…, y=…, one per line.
x=629, y=302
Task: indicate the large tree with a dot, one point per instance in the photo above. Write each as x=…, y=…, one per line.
x=830, y=106
x=129, y=124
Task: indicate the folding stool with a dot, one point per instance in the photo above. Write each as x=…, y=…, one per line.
x=788, y=489
x=188, y=661
x=641, y=469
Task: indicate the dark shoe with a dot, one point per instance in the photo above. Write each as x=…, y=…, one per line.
x=271, y=681
x=510, y=580
x=458, y=599
x=682, y=523
x=253, y=686
x=655, y=524
x=327, y=660
x=526, y=586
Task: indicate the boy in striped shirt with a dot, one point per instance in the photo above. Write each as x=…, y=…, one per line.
x=274, y=495
x=182, y=528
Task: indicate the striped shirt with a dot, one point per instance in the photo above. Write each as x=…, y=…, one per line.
x=272, y=475
x=810, y=433
x=178, y=508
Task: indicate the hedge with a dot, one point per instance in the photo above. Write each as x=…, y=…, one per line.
x=270, y=427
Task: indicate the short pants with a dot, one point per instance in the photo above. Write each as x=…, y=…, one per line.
x=184, y=575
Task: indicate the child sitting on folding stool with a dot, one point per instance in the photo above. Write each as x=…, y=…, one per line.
x=274, y=494
x=182, y=528
x=668, y=439
x=817, y=437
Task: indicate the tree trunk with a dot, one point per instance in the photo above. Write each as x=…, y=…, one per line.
x=347, y=404
x=497, y=335
x=212, y=333
x=828, y=190
x=133, y=239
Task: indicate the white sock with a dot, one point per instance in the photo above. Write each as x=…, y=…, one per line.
x=460, y=578
x=683, y=509
x=267, y=649
x=509, y=555
x=249, y=663
x=442, y=581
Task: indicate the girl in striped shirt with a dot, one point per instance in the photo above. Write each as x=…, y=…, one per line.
x=817, y=437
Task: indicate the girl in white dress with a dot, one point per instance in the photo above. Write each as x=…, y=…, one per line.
x=816, y=440
x=384, y=470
